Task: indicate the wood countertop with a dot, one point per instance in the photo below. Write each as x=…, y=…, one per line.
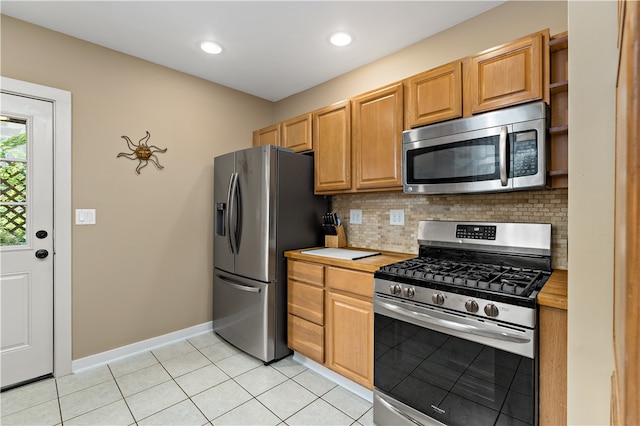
x=554, y=294
x=367, y=264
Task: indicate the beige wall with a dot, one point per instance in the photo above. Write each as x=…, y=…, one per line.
x=592, y=73
x=145, y=268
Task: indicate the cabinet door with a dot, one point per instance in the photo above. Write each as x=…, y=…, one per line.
x=332, y=146
x=296, y=133
x=267, y=136
x=434, y=95
x=349, y=337
x=377, y=138
x=510, y=74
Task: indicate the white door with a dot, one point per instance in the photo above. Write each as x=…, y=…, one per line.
x=26, y=238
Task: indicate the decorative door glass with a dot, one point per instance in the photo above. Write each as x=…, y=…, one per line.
x=13, y=182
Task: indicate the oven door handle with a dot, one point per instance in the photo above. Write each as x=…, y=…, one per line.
x=450, y=325
x=398, y=412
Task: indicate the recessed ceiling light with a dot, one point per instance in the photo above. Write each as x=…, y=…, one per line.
x=211, y=47
x=340, y=39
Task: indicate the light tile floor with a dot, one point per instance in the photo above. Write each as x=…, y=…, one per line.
x=199, y=381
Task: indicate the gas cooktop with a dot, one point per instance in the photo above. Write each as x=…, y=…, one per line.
x=501, y=279
x=484, y=269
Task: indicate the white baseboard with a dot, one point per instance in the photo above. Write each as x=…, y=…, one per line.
x=352, y=386
x=112, y=355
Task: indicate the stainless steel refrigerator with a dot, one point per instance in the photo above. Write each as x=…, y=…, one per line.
x=264, y=205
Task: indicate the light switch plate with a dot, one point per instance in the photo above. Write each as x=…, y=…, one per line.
x=85, y=216
x=396, y=217
x=355, y=217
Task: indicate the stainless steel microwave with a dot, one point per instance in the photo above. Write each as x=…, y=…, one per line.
x=504, y=150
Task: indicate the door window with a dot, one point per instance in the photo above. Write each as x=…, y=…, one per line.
x=13, y=182
x=466, y=161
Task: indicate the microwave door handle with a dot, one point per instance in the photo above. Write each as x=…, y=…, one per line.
x=503, y=156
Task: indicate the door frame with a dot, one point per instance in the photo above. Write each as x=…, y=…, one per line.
x=62, y=216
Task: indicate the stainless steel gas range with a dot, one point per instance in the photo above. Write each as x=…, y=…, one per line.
x=456, y=327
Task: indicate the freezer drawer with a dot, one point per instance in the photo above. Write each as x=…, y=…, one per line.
x=244, y=314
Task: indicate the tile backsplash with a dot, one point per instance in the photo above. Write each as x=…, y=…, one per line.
x=375, y=232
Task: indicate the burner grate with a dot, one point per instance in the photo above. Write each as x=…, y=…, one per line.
x=497, y=278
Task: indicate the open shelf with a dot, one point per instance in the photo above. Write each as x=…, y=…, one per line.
x=559, y=42
x=559, y=130
x=560, y=86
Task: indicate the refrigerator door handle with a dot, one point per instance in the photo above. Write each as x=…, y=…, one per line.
x=231, y=211
x=236, y=285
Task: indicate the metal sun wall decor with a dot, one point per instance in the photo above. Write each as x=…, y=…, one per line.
x=142, y=152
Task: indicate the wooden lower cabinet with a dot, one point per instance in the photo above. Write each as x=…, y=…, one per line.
x=553, y=366
x=349, y=337
x=330, y=318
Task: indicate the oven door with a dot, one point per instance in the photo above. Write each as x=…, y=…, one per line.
x=474, y=161
x=435, y=367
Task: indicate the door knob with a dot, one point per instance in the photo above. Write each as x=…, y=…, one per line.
x=42, y=253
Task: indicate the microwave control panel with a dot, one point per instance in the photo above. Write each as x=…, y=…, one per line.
x=525, y=154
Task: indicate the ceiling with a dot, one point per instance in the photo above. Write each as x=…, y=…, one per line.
x=271, y=49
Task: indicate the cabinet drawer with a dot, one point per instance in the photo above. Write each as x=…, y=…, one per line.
x=309, y=273
x=306, y=337
x=352, y=281
x=306, y=301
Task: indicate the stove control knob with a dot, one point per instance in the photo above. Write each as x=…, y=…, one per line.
x=409, y=292
x=491, y=310
x=437, y=298
x=471, y=306
x=394, y=289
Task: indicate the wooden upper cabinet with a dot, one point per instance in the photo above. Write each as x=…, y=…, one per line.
x=377, y=138
x=267, y=136
x=297, y=134
x=332, y=146
x=434, y=95
x=509, y=74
